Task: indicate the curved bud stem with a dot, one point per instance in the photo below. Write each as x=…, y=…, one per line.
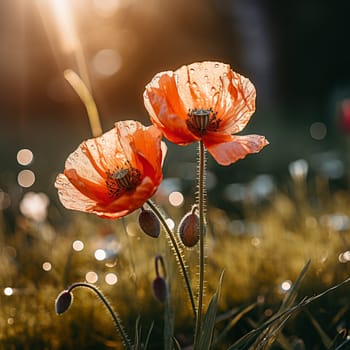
x=177, y=251
x=126, y=342
x=160, y=259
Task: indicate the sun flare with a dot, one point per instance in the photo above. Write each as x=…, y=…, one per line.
x=62, y=12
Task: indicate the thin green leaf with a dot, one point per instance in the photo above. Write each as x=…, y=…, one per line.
x=248, y=339
x=176, y=344
x=233, y=322
x=268, y=337
x=290, y=297
x=138, y=329
x=338, y=338
x=344, y=346
x=281, y=340
x=327, y=342
x=206, y=333
x=148, y=336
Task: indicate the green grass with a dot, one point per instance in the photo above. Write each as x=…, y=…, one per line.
x=272, y=245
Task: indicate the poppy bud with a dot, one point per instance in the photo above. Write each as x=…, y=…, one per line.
x=63, y=302
x=149, y=223
x=189, y=229
x=160, y=290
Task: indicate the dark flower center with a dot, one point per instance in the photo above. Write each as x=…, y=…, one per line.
x=122, y=180
x=201, y=120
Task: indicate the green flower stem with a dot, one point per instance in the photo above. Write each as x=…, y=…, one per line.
x=201, y=208
x=117, y=322
x=177, y=252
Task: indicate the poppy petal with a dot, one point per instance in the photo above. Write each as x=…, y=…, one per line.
x=148, y=143
x=129, y=145
x=70, y=196
x=237, y=103
x=74, y=199
x=166, y=109
x=201, y=84
x=128, y=202
x=235, y=148
x=87, y=159
x=214, y=85
x=96, y=191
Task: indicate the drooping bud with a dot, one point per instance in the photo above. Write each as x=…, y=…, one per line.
x=160, y=289
x=63, y=302
x=149, y=223
x=189, y=229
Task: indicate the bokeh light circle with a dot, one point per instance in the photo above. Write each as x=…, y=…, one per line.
x=78, y=245
x=26, y=178
x=176, y=198
x=106, y=62
x=286, y=285
x=24, y=156
x=8, y=291
x=111, y=278
x=100, y=254
x=47, y=266
x=91, y=277
x=318, y=131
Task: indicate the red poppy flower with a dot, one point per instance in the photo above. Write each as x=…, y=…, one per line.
x=205, y=101
x=114, y=174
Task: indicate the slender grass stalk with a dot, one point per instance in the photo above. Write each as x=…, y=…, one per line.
x=201, y=209
x=177, y=250
x=116, y=320
x=83, y=92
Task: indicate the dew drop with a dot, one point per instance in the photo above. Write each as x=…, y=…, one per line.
x=216, y=65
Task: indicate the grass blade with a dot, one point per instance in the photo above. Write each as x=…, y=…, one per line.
x=268, y=337
x=233, y=322
x=327, y=342
x=148, y=336
x=206, y=333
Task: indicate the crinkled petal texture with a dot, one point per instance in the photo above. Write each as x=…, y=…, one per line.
x=234, y=147
x=84, y=184
x=171, y=96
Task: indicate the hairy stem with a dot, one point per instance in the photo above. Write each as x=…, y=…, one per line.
x=177, y=252
x=117, y=322
x=201, y=208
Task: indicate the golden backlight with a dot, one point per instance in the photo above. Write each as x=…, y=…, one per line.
x=62, y=13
